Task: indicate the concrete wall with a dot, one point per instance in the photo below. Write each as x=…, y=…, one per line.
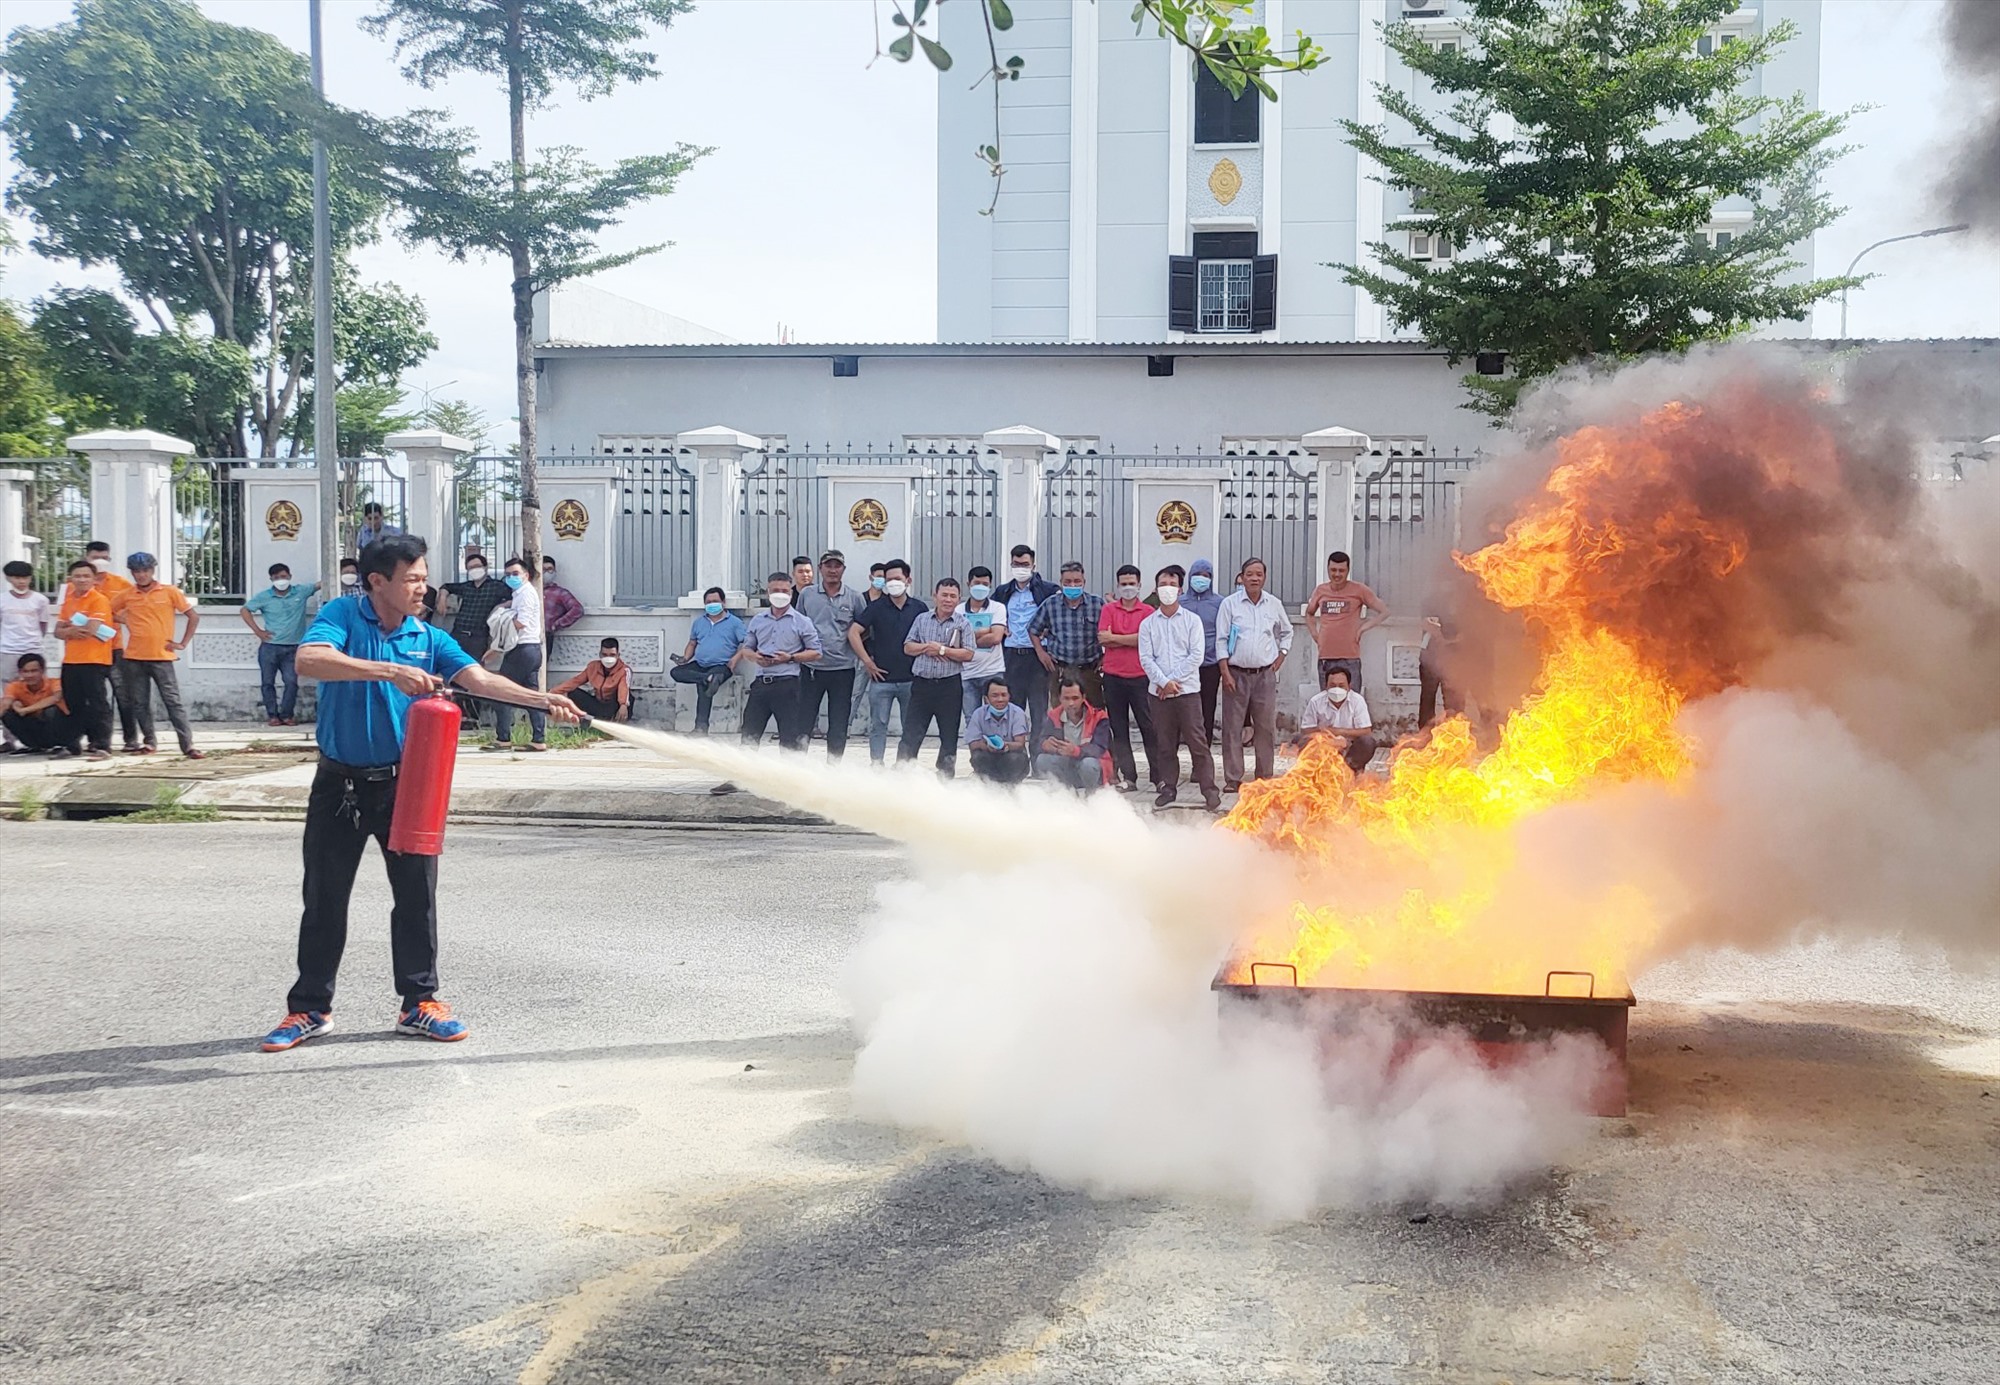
x=1244, y=392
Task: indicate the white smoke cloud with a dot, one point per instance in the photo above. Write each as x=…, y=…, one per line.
x=1039, y=991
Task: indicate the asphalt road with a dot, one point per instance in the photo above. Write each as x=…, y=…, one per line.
x=642, y=1166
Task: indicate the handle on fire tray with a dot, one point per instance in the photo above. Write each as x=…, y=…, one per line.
x=1549, y=981
x=1274, y=966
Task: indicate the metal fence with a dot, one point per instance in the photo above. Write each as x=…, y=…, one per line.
x=656, y=523
x=487, y=502
x=363, y=481
x=58, y=517
x=208, y=529
x=1269, y=509
x=1407, y=512
x=954, y=511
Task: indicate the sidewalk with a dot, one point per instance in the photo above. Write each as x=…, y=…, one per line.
x=258, y=772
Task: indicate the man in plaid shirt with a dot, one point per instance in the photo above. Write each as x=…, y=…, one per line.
x=1064, y=632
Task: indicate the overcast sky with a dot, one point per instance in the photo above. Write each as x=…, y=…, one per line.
x=818, y=208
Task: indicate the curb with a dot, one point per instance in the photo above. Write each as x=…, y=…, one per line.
x=91, y=796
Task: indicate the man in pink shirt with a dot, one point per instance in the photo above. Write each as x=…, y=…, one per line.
x=1333, y=619
x=1125, y=687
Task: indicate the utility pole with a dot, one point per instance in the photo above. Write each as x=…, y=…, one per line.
x=326, y=431
x=1891, y=240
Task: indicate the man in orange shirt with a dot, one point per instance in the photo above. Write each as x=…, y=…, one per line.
x=84, y=626
x=147, y=612
x=32, y=708
x=604, y=689
x=111, y=586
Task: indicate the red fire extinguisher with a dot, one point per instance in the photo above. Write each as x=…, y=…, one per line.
x=423, y=789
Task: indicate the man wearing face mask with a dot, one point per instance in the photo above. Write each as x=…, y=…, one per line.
x=523, y=663
x=1064, y=630
x=475, y=599
x=877, y=638
x=277, y=616
x=1021, y=596
x=779, y=642
x=878, y=578
x=1201, y=599
x=560, y=608
x=705, y=665
x=1170, y=645
x=833, y=607
x=604, y=689
x=1341, y=714
x=988, y=619
x=112, y=585
x=1125, y=699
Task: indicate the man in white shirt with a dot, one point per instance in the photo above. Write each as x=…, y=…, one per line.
x=1253, y=634
x=523, y=663
x=1172, y=643
x=1340, y=714
x=24, y=619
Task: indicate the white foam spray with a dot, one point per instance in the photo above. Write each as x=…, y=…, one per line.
x=1038, y=989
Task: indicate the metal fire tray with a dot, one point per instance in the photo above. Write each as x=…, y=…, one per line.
x=1500, y=1026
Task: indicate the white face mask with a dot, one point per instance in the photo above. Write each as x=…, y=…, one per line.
x=1338, y=695
x=1128, y=593
x=477, y=574
x=350, y=579
x=780, y=600
x=1024, y=574
x=281, y=584
x=1169, y=595
x=895, y=586
x=608, y=660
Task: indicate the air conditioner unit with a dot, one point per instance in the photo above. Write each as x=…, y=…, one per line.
x=1422, y=6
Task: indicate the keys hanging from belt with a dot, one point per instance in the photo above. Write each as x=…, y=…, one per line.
x=350, y=803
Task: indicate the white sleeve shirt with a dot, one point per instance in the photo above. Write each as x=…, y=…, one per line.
x=1171, y=649
x=527, y=606
x=1322, y=715
x=1253, y=635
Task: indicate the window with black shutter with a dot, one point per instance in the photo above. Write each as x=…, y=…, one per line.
x=1225, y=286
x=1220, y=118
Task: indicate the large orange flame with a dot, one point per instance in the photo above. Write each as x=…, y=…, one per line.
x=1620, y=565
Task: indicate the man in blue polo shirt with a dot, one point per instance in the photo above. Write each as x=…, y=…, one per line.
x=373, y=655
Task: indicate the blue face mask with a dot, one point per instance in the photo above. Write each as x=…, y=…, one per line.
x=1072, y=593
x=514, y=580
x=714, y=608
x=980, y=591
x=1200, y=584
x=877, y=582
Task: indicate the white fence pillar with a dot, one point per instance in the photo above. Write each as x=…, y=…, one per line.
x=132, y=493
x=1023, y=450
x=718, y=492
x=16, y=499
x=280, y=522
x=1337, y=450
x=431, y=494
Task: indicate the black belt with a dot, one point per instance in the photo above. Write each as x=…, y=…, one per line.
x=365, y=774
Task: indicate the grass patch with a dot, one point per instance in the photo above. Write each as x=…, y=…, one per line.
x=30, y=806
x=169, y=807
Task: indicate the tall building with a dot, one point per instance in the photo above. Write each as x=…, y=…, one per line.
x=1142, y=204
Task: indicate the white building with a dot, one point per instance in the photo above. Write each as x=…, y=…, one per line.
x=1141, y=204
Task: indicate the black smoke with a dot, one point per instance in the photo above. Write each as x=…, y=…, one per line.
x=1970, y=191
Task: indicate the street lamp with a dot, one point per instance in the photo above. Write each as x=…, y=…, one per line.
x=1913, y=235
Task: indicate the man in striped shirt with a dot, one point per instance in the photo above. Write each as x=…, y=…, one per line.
x=940, y=644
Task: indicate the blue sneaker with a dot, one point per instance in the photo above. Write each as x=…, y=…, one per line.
x=431, y=1019
x=299, y=1026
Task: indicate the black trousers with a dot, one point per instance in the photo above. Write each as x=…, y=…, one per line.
x=47, y=729
x=593, y=706
x=87, y=693
x=1431, y=689
x=1126, y=701
x=940, y=700
x=1211, y=684
x=1027, y=681
x=1001, y=766
x=835, y=688
x=343, y=811
x=775, y=699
